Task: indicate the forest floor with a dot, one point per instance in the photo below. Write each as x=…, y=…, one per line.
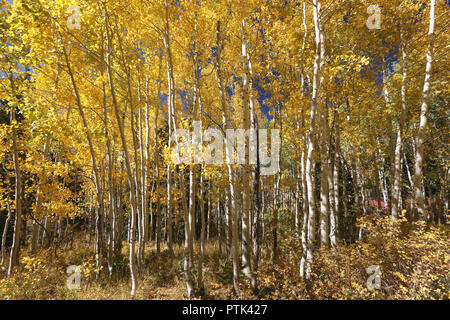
x=44, y=276
x=413, y=259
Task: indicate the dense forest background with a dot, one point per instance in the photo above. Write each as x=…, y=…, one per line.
x=93, y=94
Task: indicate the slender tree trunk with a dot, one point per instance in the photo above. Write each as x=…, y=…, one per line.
x=129, y=171
x=305, y=204
x=144, y=178
x=444, y=195
x=171, y=123
x=397, y=185
x=228, y=210
x=15, y=249
x=5, y=233
x=306, y=271
x=246, y=195
x=305, y=207
x=276, y=206
x=298, y=183
x=324, y=178
x=201, y=285
x=420, y=138
x=111, y=198
x=333, y=182
x=256, y=235
x=387, y=101
x=156, y=163
x=229, y=161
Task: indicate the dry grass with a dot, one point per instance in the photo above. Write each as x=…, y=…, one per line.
x=161, y=278
x=414, y=260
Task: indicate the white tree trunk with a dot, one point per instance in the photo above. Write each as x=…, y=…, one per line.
x=228, y=155
x=397, y=185
x=418, y=166
x=311, y=146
